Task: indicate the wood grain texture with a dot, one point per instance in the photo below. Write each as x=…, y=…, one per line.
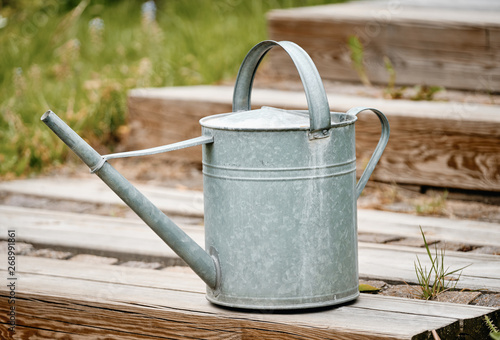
x=72, y=319
x=170, y=200
x=64, y=298
x=453, y=145
x=434, y=46
x=161, y=122
x=93, y=190
x=132, y=239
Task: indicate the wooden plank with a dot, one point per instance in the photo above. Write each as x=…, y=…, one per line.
x=107, y=236
x=435, y=228
x=396, y=263
x=467, y=5
x=93, y=190
x=427, y=45
x=189, y=282
x=174, y=320
x=65, y=297
x=369, y=221
x=121, y=238
x=161, y=122
x=442, y=144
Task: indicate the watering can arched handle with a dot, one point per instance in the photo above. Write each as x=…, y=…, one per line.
x=384, y=138
x=319, y=110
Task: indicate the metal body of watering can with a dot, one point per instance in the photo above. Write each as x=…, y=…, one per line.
x=280, y=196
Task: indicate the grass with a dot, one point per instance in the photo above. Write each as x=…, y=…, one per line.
x=357, y=59
x=79, y=59
x=421, y=92
x=494, y=332
x=435, y=206
x=392, y=91
x=438, y=278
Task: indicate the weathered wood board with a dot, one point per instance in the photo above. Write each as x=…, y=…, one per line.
x=442, y=144
x=190, y=203
x=58, y=299
x=120, y=237
x=93, y=190
x=451, y=47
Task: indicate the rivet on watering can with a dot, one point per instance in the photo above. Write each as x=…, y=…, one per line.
x=325, y=132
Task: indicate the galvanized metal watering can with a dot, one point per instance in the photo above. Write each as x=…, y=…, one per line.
x=280, y=196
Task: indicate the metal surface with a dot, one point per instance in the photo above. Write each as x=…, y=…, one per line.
x=201, y=262
x=269, y=119
x=379, y=149
x=160, y=149
x=313, y=86
x=281, y=211
x=153, y=151
x=280, y=196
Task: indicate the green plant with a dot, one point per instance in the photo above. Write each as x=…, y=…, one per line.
x=424, y=92
x=80, y=57
x=357, y=58
x=434, y=206
x=494, y=332
x=391, y=90
x=437, y=279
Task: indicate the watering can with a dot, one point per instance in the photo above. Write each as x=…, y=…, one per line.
x=280, y=196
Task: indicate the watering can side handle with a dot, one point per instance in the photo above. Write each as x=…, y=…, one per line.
x=161, y=149
x=384, y=138
x=153, y=151
x=319, y=110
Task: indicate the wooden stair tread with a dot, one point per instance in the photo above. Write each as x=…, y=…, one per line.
x=60, y=296
x=428, y=14
x=187, y=202
x=433, y=45
x=105, y=235
x=93, y=190
x=442, y=144
x=338, y=102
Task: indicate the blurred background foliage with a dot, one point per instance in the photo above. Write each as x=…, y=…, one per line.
x=80, y=57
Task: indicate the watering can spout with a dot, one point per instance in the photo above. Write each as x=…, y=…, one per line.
x=204, y=264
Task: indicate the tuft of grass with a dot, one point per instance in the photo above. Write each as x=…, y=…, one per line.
x=357, y=59
x=438, y=278
x=391, y=90
x=424, y=92
x=434, y=206
x=80, y=57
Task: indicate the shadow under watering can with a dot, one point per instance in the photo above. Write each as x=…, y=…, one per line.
x=280, y=196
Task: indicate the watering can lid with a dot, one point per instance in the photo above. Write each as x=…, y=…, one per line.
x=265, y=118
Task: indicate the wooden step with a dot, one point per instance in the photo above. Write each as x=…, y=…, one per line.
x=133, y=240
x=442, y=144
x=439, y=44
x=93, y=190
x=75, y=300
x=190, y=203
x=186, y=202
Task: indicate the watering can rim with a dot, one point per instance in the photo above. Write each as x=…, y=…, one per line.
x=270, y=119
